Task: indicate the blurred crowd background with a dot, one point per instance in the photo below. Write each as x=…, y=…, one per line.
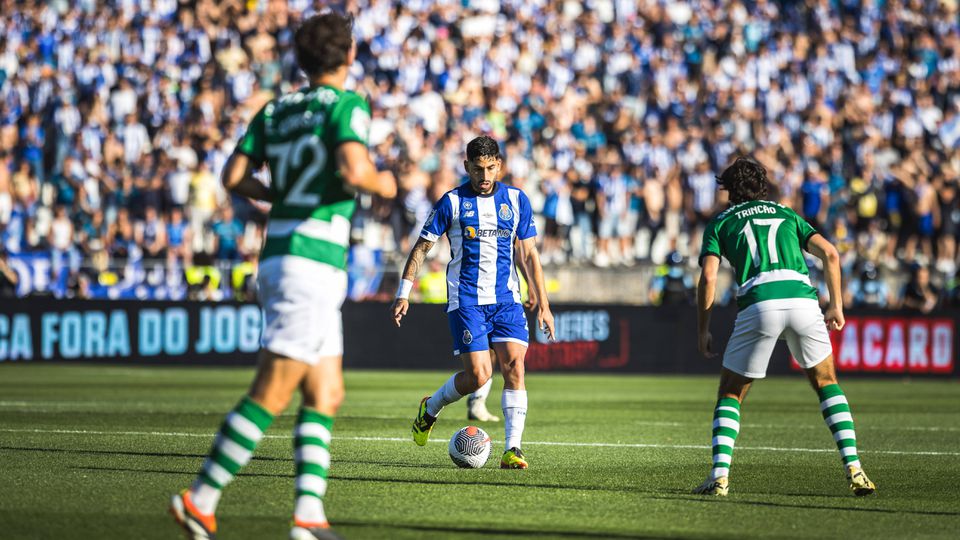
x=614, y=116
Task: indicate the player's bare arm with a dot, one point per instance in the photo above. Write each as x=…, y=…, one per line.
x=355, y=167
x=706, y=293
x=525, y=272
x=238, y=178
x=410, y=270
x=530, y=258
x=822, y=249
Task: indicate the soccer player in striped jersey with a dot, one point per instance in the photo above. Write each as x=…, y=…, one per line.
x=763, y=242
x=314, y=141
x=483, y=219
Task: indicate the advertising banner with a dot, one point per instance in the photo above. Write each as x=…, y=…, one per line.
x=126, y=331
x=589, y=338
x=895, y=344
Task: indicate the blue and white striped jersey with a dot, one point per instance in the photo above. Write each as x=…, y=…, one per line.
x=481, y=230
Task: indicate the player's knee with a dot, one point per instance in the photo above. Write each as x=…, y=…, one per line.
x=476, y=378
x=326, y=399
x=511, y=363
x=334, y=397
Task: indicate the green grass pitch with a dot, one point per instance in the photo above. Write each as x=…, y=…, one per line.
x=95, y=452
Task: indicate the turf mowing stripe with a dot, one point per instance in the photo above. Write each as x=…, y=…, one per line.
x=542, y=443
x=32, y=406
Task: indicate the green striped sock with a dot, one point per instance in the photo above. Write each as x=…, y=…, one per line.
x=836, y=413
x=726, y=427
x=311, y=443
x=233, y=447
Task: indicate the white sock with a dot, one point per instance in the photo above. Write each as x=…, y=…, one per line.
x=309, y=510
x=204, y=496
x=444, y=396
x=484, y=390
x=514, y=404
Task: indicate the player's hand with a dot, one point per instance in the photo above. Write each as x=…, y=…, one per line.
x=545, y=322
x=400, y=306
x=705, y=344
x=834, y=318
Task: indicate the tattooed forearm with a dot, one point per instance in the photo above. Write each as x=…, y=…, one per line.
x=416, y=258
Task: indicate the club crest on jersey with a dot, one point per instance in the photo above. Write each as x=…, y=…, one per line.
x=469, y=233
x=505, y=213
x=467, y=337
x=467, y=205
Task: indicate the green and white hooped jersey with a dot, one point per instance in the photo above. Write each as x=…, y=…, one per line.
x=763, y=241
x=297, y=136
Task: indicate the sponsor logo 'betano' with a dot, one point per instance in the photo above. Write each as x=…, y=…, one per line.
x=471, y=233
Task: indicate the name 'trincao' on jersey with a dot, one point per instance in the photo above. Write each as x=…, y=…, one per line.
x=481, y=230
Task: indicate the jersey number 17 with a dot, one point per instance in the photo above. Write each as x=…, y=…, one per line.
x=774, y=224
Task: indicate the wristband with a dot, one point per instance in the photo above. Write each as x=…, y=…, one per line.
x=404, y=290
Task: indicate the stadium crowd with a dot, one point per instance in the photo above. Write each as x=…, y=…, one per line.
x=614, y=115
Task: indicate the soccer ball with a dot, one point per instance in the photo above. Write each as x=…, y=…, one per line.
x=470, y=447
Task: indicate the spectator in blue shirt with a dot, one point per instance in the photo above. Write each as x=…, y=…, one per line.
x=228, y=234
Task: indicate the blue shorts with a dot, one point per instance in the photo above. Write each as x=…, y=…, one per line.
x=926, y=226
x=474, y=327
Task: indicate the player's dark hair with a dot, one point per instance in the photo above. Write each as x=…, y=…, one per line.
x=483, y=146
x=745, y=180
x=323, y=42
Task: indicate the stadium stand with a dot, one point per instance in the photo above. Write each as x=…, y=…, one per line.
x=614, y=115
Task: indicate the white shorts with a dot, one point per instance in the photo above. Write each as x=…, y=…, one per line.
x=758, y=327
x=301, y=302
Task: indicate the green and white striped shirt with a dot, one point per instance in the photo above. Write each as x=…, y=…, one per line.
x=297, y=136
x=763, y=241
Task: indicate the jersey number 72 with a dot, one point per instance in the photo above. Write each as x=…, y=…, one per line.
x=292, y=154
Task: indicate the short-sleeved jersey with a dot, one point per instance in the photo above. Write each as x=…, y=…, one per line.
x=297, y=136
x=481, y=230
x=763, y=241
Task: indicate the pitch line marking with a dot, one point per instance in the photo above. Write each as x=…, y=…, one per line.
x=32, y=406
x=209, y=435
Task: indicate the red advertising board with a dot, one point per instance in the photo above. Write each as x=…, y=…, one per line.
x=894, y=345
